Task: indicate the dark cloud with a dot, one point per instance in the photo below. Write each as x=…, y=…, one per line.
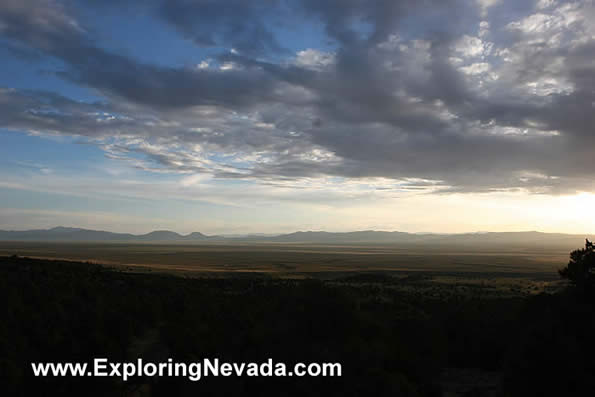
x=411, y=90
x=238, y=24
x=45, y=26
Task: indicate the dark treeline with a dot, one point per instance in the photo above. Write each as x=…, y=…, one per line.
x=390, y=343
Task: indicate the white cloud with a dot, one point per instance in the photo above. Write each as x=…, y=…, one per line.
x=475, y=68
x=536, y=23
x=314, y=59
x=226, y=66
x=561, y=18
x=392, y=42
x=203, y=65
x=549, y=85
x=543, y=4
x=193, y=180
x=484, y=5
x=484, y=28
x=471, y=47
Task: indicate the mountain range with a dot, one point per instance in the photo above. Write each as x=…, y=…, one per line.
x=69, y=234
x=61, y=233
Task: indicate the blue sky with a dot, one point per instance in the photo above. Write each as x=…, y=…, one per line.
x=275, y=116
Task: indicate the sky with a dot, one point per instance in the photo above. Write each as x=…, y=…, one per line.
x=271, y=116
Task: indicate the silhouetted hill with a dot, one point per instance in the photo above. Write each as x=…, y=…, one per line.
x=197, y=236
x=494, y=239
x=64, y=234
x=61, y=233
x=530, y=238
x=366, y=236
x=160, y=235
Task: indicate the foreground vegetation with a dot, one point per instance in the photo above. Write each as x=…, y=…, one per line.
x=392, y=336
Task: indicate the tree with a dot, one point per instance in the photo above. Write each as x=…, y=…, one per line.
x=581, y=267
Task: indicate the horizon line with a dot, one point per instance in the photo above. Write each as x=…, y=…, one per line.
x=264, y=234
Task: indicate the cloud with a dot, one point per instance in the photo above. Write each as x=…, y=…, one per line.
x=484, y=6
x=237, y=24
x=480, y=100
x=314, y=59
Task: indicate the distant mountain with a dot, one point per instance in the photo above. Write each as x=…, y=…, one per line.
x=198, y=236
x=61, y=233
x=531, y=238
x=64, y=234
x=160, y=235
x=365, y=236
